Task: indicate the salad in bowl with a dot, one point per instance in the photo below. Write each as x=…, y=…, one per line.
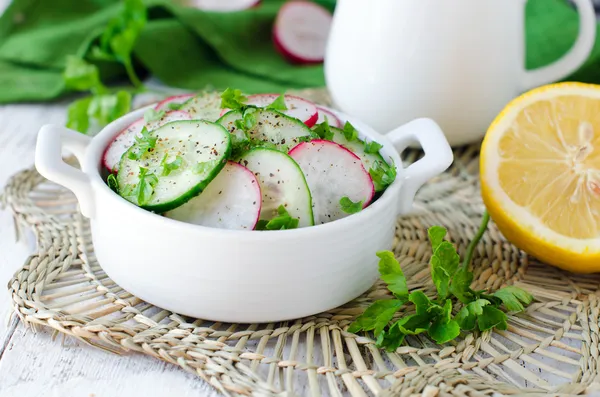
x=263, y=162
x=242, y=208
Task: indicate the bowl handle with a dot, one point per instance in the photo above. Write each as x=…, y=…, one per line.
x=51, y=140
x=438, y=157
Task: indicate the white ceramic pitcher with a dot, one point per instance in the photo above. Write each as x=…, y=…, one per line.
x=458, y=62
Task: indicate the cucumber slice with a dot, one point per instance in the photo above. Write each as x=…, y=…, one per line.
x=231, y=201
x=228, y=122
x=282, y=182
x=332, y=172
x=358, y=147
x=203, y=148
x=203, y=107
x=271, y=127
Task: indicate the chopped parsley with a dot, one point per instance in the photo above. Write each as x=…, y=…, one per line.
x=143, y=144
x=112, y=183
x=141, y=192
x=174, y=106
x=349, y=206
x=205, y=167
x=282, y=221
x=382, y=174
x=350, y=132
x=324, y=131
x=278, y=104
x=372, y=147
x=233, y=99
x=167, y=168
x=153, y=115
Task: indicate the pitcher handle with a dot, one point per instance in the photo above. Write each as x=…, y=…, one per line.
x=438, y=157
x=573, y=59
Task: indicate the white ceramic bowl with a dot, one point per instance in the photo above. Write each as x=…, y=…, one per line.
x=238, y=276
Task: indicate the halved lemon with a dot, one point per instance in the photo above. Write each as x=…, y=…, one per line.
x=540, y=174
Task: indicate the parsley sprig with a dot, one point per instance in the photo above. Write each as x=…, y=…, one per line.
x=116, y=43
x=480, y=309
x=233, y=99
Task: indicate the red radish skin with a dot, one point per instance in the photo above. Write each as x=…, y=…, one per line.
x=299, y=108
x=123, y=140
x=332, y=172
x=126, y=138
x=331, y=118
x=301, y=30
x=178, y=99
x=223, y=5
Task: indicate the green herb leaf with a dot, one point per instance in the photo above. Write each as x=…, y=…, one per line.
x=436, y=236
x=422, y=303
x=382, y=174
x=349, y=206
x=249, y=119
x=112, y=183
x=414, y=324
x=233, y=99
x=120, y=35
x=283, y=221
x=444, y=263
x=372, y=147
x=350, y=132
x=172, y=166
x=143, y=190
x=204, y=167
x=443, y=332
x=376, y=317
x=391, y=338
x=82, y=76
x=461, y=285
x=391, y=274
x=278, y=104
x=151, y=115
x=491, y=318
x=77, y=115
x=174, y=106
x=512, y=297
x=109, y=107
x=467, y=316
x=143, y=144
x=324, y=131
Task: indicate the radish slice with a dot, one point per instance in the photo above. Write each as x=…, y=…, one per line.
x=177, y=99
x=298, y=108
x=126, y=138
x=230, y=201
x=301, y=30
x=223, y=5
x=203, y=107
x=332, y=172
x=331, y=118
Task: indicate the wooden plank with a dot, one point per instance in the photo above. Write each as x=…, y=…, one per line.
x=36, y=365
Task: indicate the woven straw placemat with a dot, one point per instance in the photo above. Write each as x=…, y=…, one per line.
x=551, y=349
